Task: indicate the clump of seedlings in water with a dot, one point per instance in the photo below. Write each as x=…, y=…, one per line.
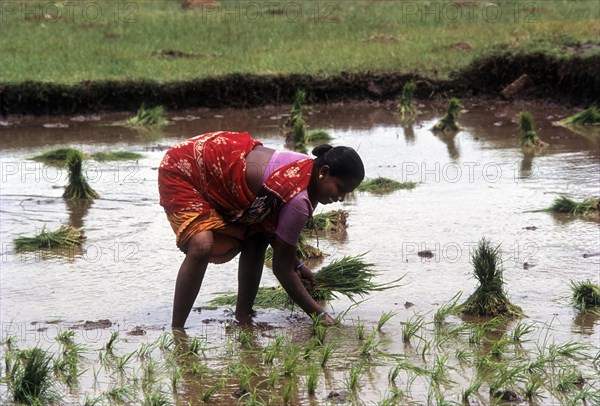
x=448, y=122
x=489, y=298
x=348, y=276
x=564, y=204
x=30, y=380
x=64, y=237
x=78, y=187
x=589, y=116
x=406, y=108
x=333, y=221
x=116, y=156
x=57, y=156
x=318, y=137
x=303, y=251
x=148, y=117
x=585, y=296
x=297, y=107
x=382, y=185
x=529, y=137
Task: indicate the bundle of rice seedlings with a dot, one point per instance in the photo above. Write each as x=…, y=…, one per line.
x=152, y=117
x=489, y=299
x=406, y=108
x=448, y=122
x=384, y=185
x=586, y=296
x=589, y=116
x=64, y=237
x=318, y=137
x=564, y=204
x=332, y=221
x=529, y=137
x=116, y=156
x=299, y=135
x=30, y=380
x=57, y=156
x=78, y=187
x=349, y=276
x=299, y=102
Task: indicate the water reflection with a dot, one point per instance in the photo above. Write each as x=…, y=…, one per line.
x=78, y=209
x=584, y=322
x=409, y=134
x=525, y=169
x=449, y=140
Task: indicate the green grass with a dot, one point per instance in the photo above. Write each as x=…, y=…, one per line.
x=148, y=117
x=30, y=381
x=382, y=185
x=64, y=237
x=585, y=296
x=116, y=156
x=325, y=40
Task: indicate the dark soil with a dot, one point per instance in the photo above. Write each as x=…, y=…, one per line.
x=567, y=81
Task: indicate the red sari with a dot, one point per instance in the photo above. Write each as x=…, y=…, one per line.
x=202, y=186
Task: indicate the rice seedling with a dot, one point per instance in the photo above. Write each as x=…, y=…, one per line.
x=333, y=221
x=210, y=391
x=290, y=364
x=448, y=122
x=529, y=137
x=288, y=391
x=319, y=331
x=156, y=399
x=77, y=186
x=406, y=108
x=568, y=379
x=426, y=349
x=564, y=204
x=534, y=389
x=382, y=185
x=589, y=116
x=355, y=374
x=92, y=401
x=570, y=350
x=589, y=394
x=369, y=346
x=499, y=346
x=64, y=237
x=176, y=376
x=30, y=378
x=312, y=379
x=447, y=309
x=246, y=338
x=411, y=327
x=120, y=394
x=506, y=378
x=65, y=337
x=148, y=117
x=318, y=137
x=150, y=376
x=243, y=372
x=463, y=355
x=384, y=318
x=521, y=330
x=297, y=107
x=360, y=329
x=472, y=389
x=56, y=157
x=273, y=378
x=196, y=346
x=440, y=372
x=164, y=342
x=114, y=337
x=298, y=135
x=116, y=156
x=272, y=349
x=489, y=298
x=123, y=361
x=199, y=369
x=10, y=342
x=349, y=276
x=326, y=352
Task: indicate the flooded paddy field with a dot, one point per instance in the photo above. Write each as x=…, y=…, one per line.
x=476, y=183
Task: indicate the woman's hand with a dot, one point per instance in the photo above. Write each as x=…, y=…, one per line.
x=305, y=273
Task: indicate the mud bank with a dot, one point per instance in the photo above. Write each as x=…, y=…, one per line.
x=567, y=81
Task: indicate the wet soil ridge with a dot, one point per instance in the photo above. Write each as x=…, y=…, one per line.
x=571, y=81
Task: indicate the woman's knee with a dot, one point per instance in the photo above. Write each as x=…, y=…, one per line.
x=200, y=246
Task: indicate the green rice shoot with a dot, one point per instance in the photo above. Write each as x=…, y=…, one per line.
x=333, y=221
x=406, y=108
x=318, y=137
x=382, y=185
x=31, y=380
x=348, y=276
x=78, y=187
x=529, y=137
x=297, y=107
x=148, y=117
x=489, y=298
x=564, y=204
x=299, y=134
x=116, y=156
x=57, y=156
x=64, y=237
x=448, y=122
x=589, y=116
x=586, y=296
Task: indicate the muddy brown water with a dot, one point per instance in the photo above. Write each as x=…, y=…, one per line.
x=477, y=183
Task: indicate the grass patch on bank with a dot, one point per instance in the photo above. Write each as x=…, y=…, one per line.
x=326, y=38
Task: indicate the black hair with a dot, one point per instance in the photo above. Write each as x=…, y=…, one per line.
x=343, y=162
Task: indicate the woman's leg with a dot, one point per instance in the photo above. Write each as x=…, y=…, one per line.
x=250, y=269
x=191, y=273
